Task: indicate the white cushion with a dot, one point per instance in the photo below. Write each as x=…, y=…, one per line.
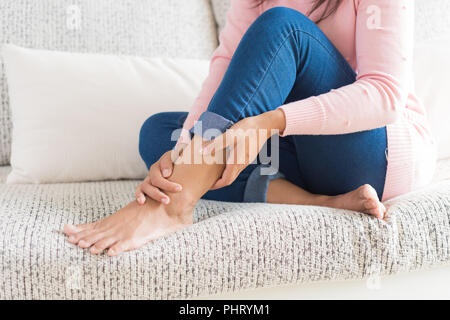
x=145, y=28
x=76, y=117
x=432, y=67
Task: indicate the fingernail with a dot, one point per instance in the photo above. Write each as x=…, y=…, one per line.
x=165, y=200
x=179, y=188
x=142, y=199
x=166, y=172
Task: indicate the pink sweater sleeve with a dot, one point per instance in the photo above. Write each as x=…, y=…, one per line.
x=384, y=48
x=241, y=15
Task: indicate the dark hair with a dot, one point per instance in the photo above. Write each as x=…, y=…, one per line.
x=330, y=7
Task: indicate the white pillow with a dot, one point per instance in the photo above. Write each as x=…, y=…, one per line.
x=432, y=67
x=76, y=117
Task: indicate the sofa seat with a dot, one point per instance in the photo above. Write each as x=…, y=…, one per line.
x=231, y=247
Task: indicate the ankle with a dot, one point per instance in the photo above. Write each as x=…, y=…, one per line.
x=322, y=200
x=181, y=205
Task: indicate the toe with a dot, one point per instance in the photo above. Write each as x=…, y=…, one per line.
x=368, y=192
x=103, y=244
x=377, y=212
x=383, y=211
x=70, y=229
x=371, y=204
x=90, y=239
x=122, y=246
x=373, y=212
x=75, y=238
x=116, y=249
x=86, y=226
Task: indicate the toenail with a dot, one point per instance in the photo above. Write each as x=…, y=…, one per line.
x=71, y=238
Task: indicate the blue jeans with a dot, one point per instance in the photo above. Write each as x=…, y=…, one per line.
x=283, y=57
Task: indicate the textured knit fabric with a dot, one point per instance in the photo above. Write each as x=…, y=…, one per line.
x=376, y=38
x=231, y=247
x=169, y=28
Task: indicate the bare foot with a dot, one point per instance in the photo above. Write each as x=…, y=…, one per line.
x=364, y=199
x=129, y=228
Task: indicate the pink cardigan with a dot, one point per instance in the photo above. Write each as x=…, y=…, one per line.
x=376, y=38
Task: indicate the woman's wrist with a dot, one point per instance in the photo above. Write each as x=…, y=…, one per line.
x=274, y=121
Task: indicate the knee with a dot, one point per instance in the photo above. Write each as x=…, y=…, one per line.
x=280, y=17
x=152, y=137
x=151, y=126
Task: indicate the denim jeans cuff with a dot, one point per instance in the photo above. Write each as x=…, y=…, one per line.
x=258, y=183
x=210, y=125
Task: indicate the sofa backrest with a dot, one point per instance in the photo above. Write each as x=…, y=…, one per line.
x=172, y=28
x=432, y=18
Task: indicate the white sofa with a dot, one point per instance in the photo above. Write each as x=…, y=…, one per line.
x=232, y=247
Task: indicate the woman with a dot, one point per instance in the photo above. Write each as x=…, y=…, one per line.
x=331, y=77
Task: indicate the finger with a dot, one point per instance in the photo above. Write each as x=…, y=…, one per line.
x=179, y=148
x=219, y=143
x=166, y=185
x=229, y=175
x=140, y=196
x=155, y=194
x=166, y=165
x=221, y=183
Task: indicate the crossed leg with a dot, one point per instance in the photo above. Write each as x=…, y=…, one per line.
x=296, y=66
x=135, y=225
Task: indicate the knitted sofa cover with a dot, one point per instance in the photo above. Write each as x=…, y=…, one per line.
x=231, y=247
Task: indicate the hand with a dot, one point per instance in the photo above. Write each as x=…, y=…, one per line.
x=156, y=183
x=244, y=140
